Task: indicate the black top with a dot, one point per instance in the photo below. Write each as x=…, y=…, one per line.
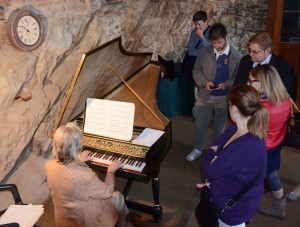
x=285, y=70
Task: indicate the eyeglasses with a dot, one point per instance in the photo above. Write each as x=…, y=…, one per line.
x=255, y=52
x=252, y=81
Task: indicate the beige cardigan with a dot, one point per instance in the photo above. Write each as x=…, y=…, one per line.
x=80, y=198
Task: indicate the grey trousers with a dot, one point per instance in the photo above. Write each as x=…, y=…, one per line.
x=202, y=114
x=118, y=201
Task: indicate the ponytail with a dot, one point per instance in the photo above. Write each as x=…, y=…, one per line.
x=246, y=99
x=258, y=123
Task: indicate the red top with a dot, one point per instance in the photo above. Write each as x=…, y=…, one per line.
x=279, y=114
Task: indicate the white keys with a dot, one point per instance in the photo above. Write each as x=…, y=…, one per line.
x=130, y=165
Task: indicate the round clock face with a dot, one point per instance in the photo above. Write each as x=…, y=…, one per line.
x=25, y=30
x=28, y=30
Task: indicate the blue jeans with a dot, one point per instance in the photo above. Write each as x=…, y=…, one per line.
x=273, y=165
x=274, y=181
x=202, y=114
x=274, y=158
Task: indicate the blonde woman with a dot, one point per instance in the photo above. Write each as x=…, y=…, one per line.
x=274, y=96
x=80, y=198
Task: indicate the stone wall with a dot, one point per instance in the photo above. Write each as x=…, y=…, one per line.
x=72, y=28
x=165, y=26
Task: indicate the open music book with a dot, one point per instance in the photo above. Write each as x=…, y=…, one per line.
x=109, y=118
x=25, y=215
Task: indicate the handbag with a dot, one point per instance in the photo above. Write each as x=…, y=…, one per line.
x=207, y=213
x=292, y=136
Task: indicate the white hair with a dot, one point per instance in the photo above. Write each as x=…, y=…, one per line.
x=67, y=143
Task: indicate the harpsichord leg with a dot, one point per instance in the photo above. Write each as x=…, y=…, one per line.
x=157, y=209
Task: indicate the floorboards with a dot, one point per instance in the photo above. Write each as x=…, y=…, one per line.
x=178, y=179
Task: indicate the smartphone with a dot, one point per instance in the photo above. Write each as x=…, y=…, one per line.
x=213, y=86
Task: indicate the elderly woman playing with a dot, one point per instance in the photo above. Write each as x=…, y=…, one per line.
x=80, y=198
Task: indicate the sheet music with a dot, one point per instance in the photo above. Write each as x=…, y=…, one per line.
x=25, y=215
x=148, y=137
x=109, y=118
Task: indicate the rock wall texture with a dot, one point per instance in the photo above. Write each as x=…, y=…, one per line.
x=73, y=28
x=164, y=27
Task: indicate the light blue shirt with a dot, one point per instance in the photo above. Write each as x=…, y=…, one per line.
x=193, y=41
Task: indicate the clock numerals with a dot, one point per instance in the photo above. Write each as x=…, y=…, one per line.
x=25, y=30
x=28, y=30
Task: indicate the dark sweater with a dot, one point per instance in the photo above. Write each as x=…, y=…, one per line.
x=222, y=75
x=285, y=70
x=236, y=165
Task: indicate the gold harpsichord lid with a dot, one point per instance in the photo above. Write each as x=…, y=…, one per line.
x=110, y=72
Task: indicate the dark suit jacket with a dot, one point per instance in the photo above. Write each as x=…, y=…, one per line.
x=285, y=70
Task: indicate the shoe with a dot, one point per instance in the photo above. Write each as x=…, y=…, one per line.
x=276, y=209
x=291, y=196
x=193, y=155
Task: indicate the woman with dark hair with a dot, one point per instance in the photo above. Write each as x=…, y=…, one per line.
x=80, y=198
x=274, y=96
x=237, y=156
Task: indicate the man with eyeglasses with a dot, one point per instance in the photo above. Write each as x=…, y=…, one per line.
x=214, y=72
x=260, y=53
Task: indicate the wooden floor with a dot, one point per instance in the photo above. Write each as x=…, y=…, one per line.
x=178, y=179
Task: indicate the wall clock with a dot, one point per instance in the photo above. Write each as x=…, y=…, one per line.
x=24, y=30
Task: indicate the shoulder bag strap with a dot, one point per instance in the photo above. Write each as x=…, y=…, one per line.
x=204, y=35
x=198, y=44
x=231, y=202
x=292, y=116
x=206, y=29
x=293, y=104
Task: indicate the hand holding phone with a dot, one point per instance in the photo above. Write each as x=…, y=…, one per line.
x=213, y=87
